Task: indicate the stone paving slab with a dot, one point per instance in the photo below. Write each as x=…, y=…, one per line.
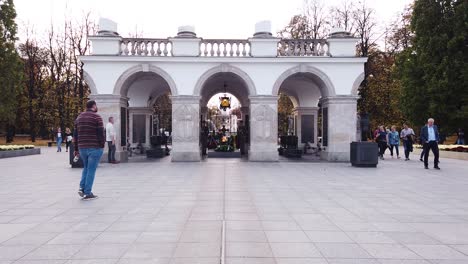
x=272, y=213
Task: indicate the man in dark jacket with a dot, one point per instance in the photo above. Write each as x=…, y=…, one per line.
x=429, y=139
x=89, y=143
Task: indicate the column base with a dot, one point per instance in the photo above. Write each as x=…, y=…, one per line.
x=185, y=156
x=264, y=154
x=335, y=156
x=120, y=155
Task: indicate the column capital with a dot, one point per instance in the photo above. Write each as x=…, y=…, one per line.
x=339, y=99
x=263, y=99
x=109, y=98
x=305, y=109
x=140, y=110
x=185, y=99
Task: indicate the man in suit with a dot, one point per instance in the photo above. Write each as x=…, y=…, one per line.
x=429, y=139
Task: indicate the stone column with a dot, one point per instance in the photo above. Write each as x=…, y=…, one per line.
x=185, y=128
x=244, y=111
x=306, y=118
x=204, y=112
x=110, y=105
x=340, y=115
x=263, y=128
x=135, y=112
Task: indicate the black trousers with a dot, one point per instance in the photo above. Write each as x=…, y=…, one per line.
x=382, y=147
x=408, y=145
x=111, y=153
x=434, y=147
x=67, y=144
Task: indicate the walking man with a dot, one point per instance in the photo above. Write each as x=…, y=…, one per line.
x=429, y=138
x=407, y=135
x=89, y=144
x=110, y=138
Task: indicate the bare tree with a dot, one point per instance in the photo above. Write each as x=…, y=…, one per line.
x=314, y=10
x=342, y=16
x=311, y=24
x=58, y=59
x=365, y=27
x=80, y=45
x=400, y=36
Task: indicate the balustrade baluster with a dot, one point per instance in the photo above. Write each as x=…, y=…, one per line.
x=165, y=52
x=126, y=47
x=231, y=51
x=145, y=48
x=224, y=48
x=206, y=49
x=132, y=50
x=151, y=52
x=158, y=48
x=218, y=51
x=244, y=49
x=212, y=49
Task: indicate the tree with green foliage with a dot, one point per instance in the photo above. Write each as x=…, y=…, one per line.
x=285, y=107
x=10, y=67
x=434, y=69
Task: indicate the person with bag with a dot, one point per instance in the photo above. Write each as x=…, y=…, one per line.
x=68, y=138
x=407, y=135
x=89, y=140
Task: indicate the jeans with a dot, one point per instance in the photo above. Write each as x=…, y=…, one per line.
x=91, y=158
x=111, y=153
x=59, y=144
x=431, y=145
x=396, y=148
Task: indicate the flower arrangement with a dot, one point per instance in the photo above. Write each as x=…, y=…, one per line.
x=15, y=147
x=457, y=148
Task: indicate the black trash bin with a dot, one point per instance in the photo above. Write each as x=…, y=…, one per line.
x=79, y=163
x=364, y=154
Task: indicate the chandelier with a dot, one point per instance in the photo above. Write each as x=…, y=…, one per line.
x=224, y=101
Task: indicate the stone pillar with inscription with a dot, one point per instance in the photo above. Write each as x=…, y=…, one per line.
x=115, y=106
x=185, y=128
x=339, y=121
x=263, y=128
x=306, y=118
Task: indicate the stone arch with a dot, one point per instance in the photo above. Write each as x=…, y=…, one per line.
x=90, y=82
x=357, y=83
x=124, y=77
x=327, y=90
x=225, y=68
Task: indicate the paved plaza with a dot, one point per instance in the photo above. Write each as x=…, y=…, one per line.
x=233, y=212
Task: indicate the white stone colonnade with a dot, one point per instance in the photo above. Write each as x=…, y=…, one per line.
x=125, y=75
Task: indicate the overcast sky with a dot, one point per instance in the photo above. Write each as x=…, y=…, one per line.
x=158, y=18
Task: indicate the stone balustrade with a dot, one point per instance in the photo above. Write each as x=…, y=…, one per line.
x=303, y=47
x=146, y=47
x=225, y=48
